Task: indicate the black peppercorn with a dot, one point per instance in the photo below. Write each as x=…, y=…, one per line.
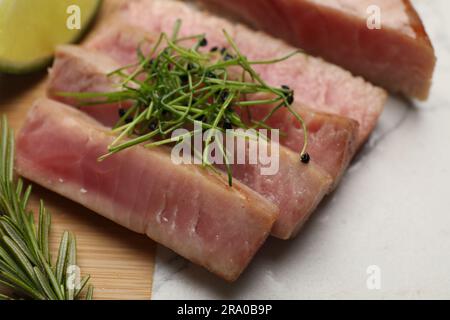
x=289, y=94
x=214, y=49
x=122, y=112
x=227, y=124
x=152, y=126
x=227, y=57
x=305, y=158
x=210, y=74
x=203, y=42
x=290, y=98
x=224, y=95
x=184, y=78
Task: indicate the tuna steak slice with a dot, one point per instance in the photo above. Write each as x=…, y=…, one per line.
x=332, y=139
x=78, y=70
x=317, y=84
x=399, y=56
x=186, y=208
x=295, y=188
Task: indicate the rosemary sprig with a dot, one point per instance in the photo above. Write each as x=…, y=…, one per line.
x=176, y=86
x=26, y=269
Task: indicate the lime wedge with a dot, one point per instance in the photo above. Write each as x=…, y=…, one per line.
x=30, y=30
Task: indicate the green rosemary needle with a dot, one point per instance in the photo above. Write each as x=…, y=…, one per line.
x=175, y=86
x=26, y=269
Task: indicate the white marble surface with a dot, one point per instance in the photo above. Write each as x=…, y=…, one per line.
x=391, y=210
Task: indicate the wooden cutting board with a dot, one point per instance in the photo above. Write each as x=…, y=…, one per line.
x=119, y=261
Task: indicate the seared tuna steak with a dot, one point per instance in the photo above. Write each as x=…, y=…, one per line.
x=186, y=208
x=399, y=56
x=295, y=188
